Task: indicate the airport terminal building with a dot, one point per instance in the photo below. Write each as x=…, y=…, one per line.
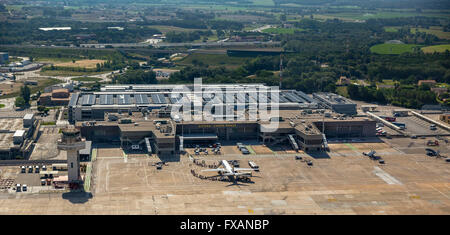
x=142, y=117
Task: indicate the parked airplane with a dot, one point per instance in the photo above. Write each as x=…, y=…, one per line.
x=231, y=171
x=371, y=155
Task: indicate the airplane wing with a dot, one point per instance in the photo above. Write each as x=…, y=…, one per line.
x=239, y=173
x=244, y=169
x=216, y=170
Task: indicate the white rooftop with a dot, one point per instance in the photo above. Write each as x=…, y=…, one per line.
x=28, y=116
x=19, y=133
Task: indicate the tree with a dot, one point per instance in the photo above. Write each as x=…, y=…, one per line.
x=20, y=102
x=43, y=109
x=25, y=93
x=353, y=91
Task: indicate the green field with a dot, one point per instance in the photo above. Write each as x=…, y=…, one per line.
x=437, y=48
x=86, y=79
x=263, y=2
x=281, y=30
x=386, y=14
x=166, y=28
x=212, y=60
x=393, y=49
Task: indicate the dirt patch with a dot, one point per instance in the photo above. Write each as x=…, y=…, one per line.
x=259, y=149
x=89, y=64
x=9, y=87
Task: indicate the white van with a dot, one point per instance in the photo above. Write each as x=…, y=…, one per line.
x=253, y=165
x=135, y=147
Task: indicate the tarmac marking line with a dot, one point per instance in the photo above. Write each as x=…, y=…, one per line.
x=385, y=176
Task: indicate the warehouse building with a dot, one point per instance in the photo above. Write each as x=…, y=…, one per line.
x=57, y=97
x=16, y=136
x=335, y=102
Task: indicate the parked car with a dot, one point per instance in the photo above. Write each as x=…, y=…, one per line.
x=239, y=145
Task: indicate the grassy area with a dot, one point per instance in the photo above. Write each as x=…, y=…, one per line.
x=51, y=60
x=2, y=106
x=437, y=48
x=446, y=85
x=212, y=60
x=42, y=83
x=281, y=30
x=212, y=38
x=166, y=28
x=87, y=181
x=86, y=79
x=386, y=82
x=437, y=31
x=14, y=7
x=393, y=49
x=263, y=2
x=392, y=29
x=68, y=73
x=51, y=123
x=342, y=90
x=383, y=14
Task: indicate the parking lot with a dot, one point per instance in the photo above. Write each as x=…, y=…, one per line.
x=417, y=126
x=414, y=125
x=30, y=178
x=230, y=148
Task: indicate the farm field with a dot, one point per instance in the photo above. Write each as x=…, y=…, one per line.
x=165, y=28
x=437, y=48
x=392, y=49
x=263, y=2
x=89, y=64
x=281, y=30
x=359, y=15
x=437, y=31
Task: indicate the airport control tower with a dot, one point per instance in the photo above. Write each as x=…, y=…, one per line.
x=71, y=142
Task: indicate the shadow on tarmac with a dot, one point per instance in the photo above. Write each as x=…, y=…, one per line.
x=77, y=197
